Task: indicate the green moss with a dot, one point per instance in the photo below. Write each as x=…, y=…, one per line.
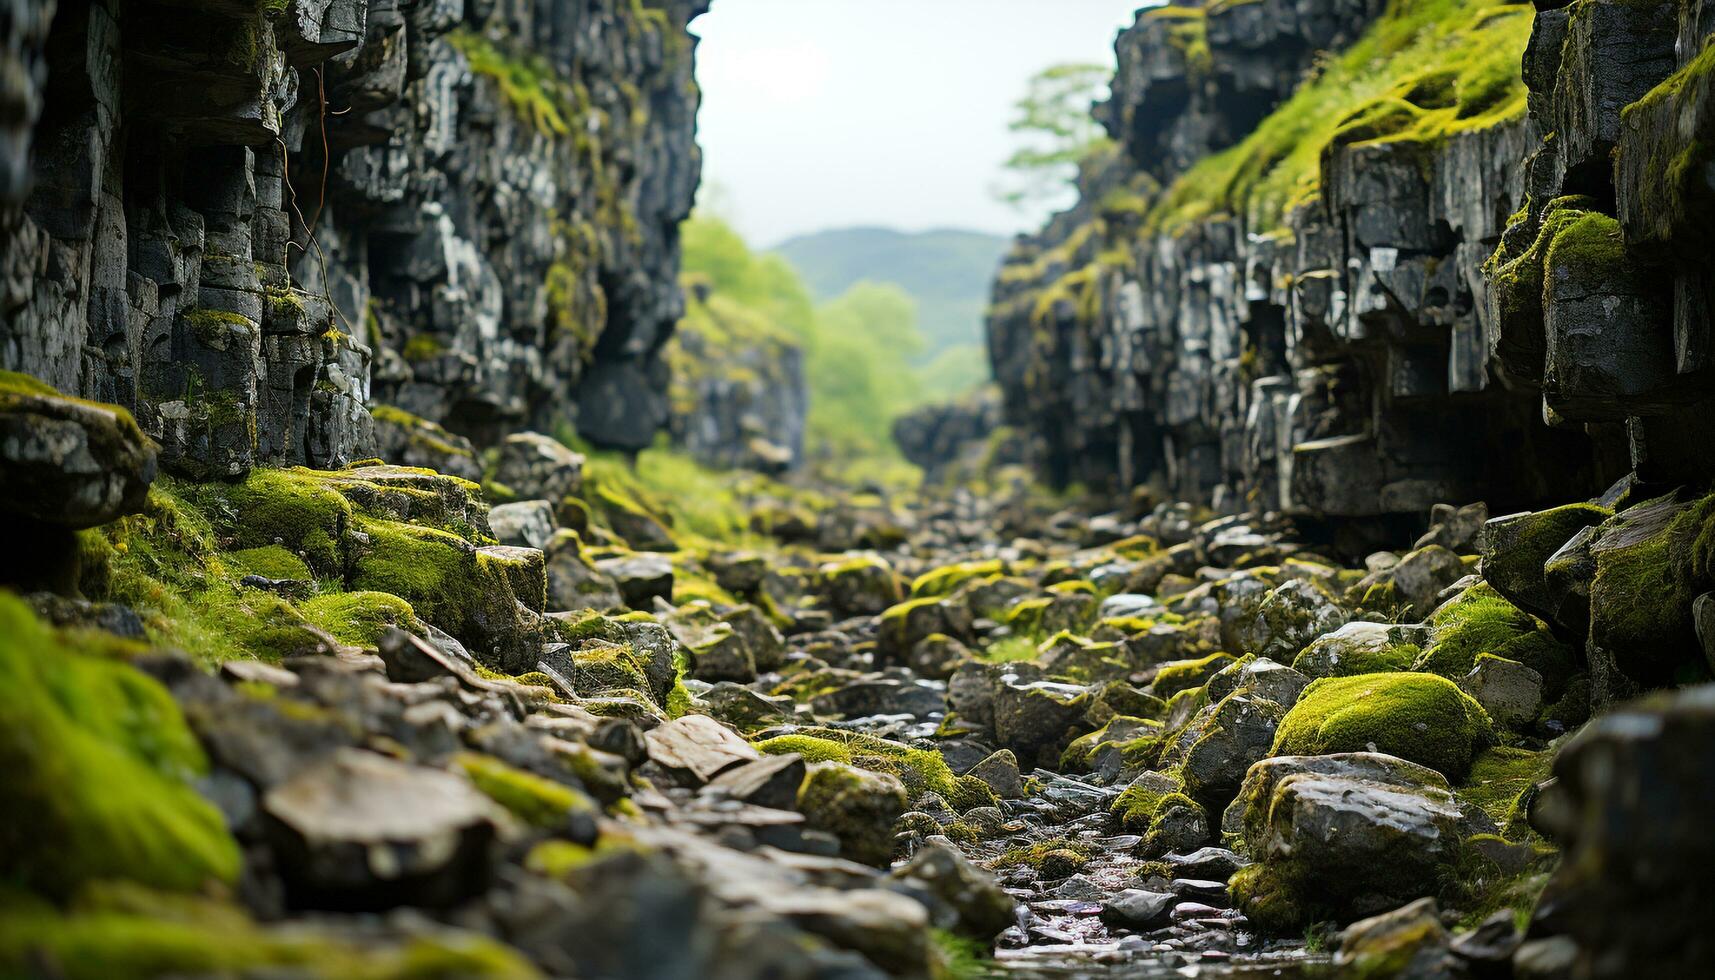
x=920, y=770
x=1183, y=675
x=944, y=581
x=360, y=618
x=17, y=389
x=537, y=801
x=272, y=562
x=1135, y=808
x=423, y=347
x=1589, y=245
x=295, y=509
x=97, y=756
x=855, y=806
x=1059, y=857
x=444, y=578
x=526, y=80
x=1516, y=272
x=1471, y=46
x=166, y=938
x=1418, y=717
x=1499, y=777
x=1480, y=621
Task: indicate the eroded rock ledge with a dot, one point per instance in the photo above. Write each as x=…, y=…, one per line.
x=1460, y=257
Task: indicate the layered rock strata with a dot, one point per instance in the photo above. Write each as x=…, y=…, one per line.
x=1457, y=258
x=250, y=221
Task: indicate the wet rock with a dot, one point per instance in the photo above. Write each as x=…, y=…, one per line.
x=1421, y=575
x=1038, y=720
x=1519, y=547
x=905, y=625
x=1289, y=618
x=861, y=586
x=1259, y=676
x=527, y=524
x=937, y=656
x=1408, y=942
x=1458, y=529
x=745, y=709
x=961, y=897
x=697, y=748
x=1138, y=909
x=1362, y=648
x=1244, y=818
x=1217, y=748
x=574, y=583
x=881, y=697
x=1345, y=847
x=361, y=831
x=1640, y=766
x=1215, y=863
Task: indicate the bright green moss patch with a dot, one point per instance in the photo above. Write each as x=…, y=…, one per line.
x=1480, y=621
x=537, y=801
x=360, y=618
x=273, y=562
x=1058, y=857
x=1418, y=717
x=96, y=757
x=1183, y=675
x=294, y=509
x=1498, y=778
x=946, y=580
x=1460, y=57
x=921, y=770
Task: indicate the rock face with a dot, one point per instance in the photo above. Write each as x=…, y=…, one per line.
x=1340, y=319
x=249, y=222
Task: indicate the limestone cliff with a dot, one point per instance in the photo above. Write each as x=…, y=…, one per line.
x=1347, y=260
x=251, y=220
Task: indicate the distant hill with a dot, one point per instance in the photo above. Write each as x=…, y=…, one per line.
x=946, y=271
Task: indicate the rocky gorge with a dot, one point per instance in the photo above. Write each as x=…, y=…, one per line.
x=358, y=624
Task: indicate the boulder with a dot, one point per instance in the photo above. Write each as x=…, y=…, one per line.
x=697, y=748
x=538, y=467
x=1419, y=717
x=1037, y=720
x=1408, y=943
x=67, y=462
x=855, y=805
x=328, y=824
x=1288, y=619
x=861, y=586
x=641, y=578
x=1362, y=648
x=961, y=897
x=1638, y=791
x=1509, y=691
x=1519, y=547
x=526, y=524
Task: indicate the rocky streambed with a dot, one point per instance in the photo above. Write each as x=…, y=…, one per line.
x=374, y=722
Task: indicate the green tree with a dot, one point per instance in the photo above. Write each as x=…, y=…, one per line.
x=1058, y=131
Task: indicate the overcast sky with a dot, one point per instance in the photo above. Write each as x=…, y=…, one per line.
x=829, y=113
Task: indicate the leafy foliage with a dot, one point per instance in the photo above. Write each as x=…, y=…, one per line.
x=1059, y=132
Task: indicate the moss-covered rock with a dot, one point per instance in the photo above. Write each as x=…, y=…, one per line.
x=861, y=586
x=97, y=758
x=539, y=802
x=946, y=580
x=1479, y=621
x=905, y=625
x=68, y=462
x=1183, y=675
x=1362, y=648
x=855, y=805
x=1419, y=717
x=360, y=618
x=1519, y=546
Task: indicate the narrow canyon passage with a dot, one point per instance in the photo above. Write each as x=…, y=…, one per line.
x=445, y=542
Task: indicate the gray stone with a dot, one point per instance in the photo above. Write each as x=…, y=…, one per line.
x=526, y=524
x=332, y=824
x=1509, y=691
x=697, y=747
